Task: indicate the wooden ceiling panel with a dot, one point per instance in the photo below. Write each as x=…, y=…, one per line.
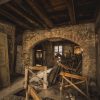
x=42, y=14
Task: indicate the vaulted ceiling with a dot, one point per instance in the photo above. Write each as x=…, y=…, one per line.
x=44, y=14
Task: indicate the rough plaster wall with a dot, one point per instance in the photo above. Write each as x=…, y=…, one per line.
x=82, y=34
x=9, y=29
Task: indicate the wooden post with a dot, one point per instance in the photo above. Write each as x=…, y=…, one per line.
x=26, y=82
x=45, y=83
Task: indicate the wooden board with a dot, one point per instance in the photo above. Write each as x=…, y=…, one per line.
x=4, y=62
x=73, y=76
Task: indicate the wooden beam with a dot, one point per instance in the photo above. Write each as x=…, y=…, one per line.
x=4, y=1
x=38, y=68
x=40, y=13
x=33, y=93
x=71, y=10
x=36, y=19
x=22, y=14
x=11, y=17
x=73, y=76
x=80, y=82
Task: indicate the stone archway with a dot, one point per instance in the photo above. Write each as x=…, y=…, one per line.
x=82, y=35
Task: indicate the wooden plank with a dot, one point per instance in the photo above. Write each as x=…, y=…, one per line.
x=39, y=75
x=38, y=68
x=73, y=76
x=65, y=67
x=80, y=82
x=35, y=7
x=33, y=93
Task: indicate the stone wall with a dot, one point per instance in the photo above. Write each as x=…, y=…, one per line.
x=9, y=29
x=83, y=35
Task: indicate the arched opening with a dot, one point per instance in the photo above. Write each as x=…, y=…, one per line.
x=45, y=51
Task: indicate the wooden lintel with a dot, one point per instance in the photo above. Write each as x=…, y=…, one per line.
x=40, y=13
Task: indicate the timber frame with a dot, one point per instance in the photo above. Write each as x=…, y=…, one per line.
x=30, y=91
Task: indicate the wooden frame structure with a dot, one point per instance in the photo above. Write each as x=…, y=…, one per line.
x=81, y=79
x=29, y=89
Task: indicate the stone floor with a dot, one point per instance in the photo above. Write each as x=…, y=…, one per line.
x=12, y=97
x=54, y=93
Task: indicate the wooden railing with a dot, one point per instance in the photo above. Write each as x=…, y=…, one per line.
x=80, y=79
x=30, y=91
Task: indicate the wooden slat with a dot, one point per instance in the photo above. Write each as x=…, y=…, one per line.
x=38, y=68
x=39, y=11
x=80, y=82
x=73, y=76
x=33, y=93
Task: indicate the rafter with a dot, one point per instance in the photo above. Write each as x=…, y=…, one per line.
x=10, y=17
x=22, y=14
x=71, y=10
x=40, y=13
x=36, y=19
x=4, y=1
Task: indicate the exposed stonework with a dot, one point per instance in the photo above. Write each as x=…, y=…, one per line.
x=9, y=29
x=83, y=35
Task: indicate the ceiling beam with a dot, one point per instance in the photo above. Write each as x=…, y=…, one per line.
x=22, y=15
x=40, y=13
x=71, y=10
x=36, y=19
x=15, y=20
x=4, y=1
